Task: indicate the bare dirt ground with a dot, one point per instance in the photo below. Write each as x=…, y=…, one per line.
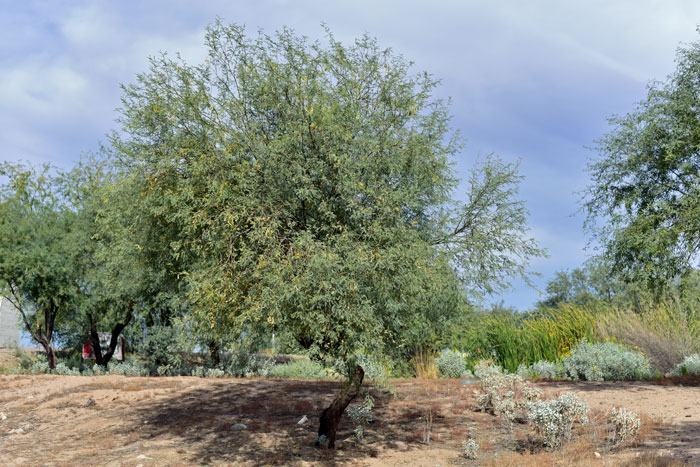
x=132, y=421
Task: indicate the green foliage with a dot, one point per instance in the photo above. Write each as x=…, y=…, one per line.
x=689, y=366
x=307, y=188
x=515, y=339
x=128, y=367
x=452, y=363
x=644, y=185
x=42, y=255
x=605, y=361
x=301, y=368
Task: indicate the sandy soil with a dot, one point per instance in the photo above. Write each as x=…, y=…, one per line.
x=115, y=421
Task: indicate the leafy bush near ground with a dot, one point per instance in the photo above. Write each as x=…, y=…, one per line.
x=605, y=361
x=452, y=364
x=689, y=366
x=626, y=424
x=554, y=419
x=542, y=369
x=302, y=368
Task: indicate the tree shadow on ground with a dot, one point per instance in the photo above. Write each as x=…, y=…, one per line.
x=201, y=422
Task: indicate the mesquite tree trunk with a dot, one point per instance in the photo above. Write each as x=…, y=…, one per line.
x=330, y=417
x=104, y=358
x=41, y=335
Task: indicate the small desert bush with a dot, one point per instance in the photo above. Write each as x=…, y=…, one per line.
x=38, y=367
x=470, y=449
x=65, y=370
x=605, y=361
x=554, y=419
x=689, y=366
x=627, y=425
x=302, y=368
x=503, y=394
x=129, y=367
x=452, y=364
x=542, y=369
x=244, y=365
x=361, y=415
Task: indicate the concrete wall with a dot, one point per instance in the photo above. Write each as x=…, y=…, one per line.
x=9, y=324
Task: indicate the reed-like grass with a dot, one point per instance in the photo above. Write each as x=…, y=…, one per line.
x=665, y=333
x=545, y=335
x=424, y=364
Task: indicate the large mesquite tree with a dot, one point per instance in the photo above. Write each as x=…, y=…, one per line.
x=645, y=185
x=309, y=188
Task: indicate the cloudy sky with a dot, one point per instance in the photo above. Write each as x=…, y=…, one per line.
x=533, y=81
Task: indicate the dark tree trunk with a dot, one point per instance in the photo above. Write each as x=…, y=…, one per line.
x=330, y=417
x=50, y=355
x=42, y=337
x=214, y=352
x=100, y=358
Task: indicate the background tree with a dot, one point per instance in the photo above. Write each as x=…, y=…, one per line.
x=646, y=184
x=41, y=259
x=309, y=188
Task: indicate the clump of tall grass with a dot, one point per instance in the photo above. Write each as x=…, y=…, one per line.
x=543, y=335
x=665, y=332
x=424, y=364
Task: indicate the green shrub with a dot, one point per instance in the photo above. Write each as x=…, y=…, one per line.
x=129, y=367
x=244, y=365
x=65, y=370
x=689, y=366
x=302, y=368
x=605, y=361
x=452, y=364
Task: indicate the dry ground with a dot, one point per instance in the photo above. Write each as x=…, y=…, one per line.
x=187, y=421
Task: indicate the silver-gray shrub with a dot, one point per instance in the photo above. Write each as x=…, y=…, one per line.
x=452, y=364
x=605, y=361
x=470, y=449
x=542, y=369
x=361, y=415
x=554, y=419
x=38, y=368
x=214, y=373
x=503, y=394
x=127, y=368
x=689, y=366
x=627, y=425
x=65, y=370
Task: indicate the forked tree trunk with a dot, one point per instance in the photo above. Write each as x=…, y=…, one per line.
x=103, y=358
x=330, y=417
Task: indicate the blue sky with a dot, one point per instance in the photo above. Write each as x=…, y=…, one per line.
x=531, y=81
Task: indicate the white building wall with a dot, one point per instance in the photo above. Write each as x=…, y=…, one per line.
x=9, y=324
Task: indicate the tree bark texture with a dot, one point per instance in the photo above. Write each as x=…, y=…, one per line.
x=330, y=417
